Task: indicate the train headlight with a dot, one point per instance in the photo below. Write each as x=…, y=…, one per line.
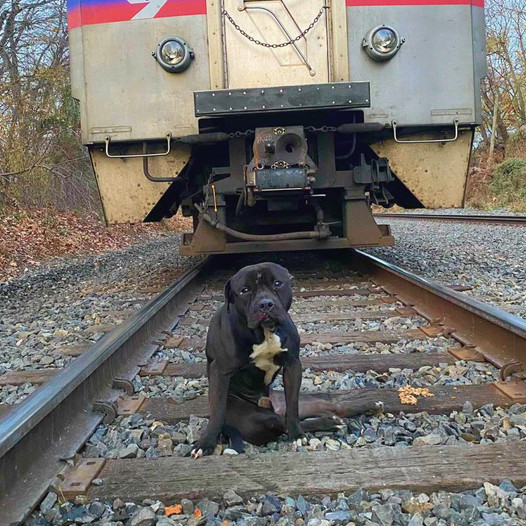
x=382, y=43
x=173, y=54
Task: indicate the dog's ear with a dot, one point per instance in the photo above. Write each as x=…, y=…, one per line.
x=289, y=303
x=229, y=295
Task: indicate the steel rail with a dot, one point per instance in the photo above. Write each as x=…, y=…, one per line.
x=49, y=426
x=497, y=334
x=474, y=218
x=54, y=422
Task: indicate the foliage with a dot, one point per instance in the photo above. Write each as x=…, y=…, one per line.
x=42, y=161
x=509, y=183
x=506, y=79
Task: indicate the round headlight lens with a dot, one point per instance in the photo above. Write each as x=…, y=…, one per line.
x=172, y=52
x=382, y=43
x=384, y=40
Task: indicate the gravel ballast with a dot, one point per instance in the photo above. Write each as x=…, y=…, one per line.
x=72, y=303
x=489, y=258
x=489, y=505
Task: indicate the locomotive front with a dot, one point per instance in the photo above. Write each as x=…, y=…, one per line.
x=276, y=124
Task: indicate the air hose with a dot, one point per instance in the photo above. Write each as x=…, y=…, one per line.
x=314, y=234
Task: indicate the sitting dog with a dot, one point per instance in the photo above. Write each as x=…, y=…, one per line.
x=250, y=339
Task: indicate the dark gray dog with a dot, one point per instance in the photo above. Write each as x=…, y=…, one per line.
x=250, y=339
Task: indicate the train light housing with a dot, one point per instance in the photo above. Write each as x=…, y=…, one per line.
x=382, y=43
x=173, y=54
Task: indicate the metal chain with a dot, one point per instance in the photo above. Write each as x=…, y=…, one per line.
x=246, y=133
x=283, y=44
x=323, y=129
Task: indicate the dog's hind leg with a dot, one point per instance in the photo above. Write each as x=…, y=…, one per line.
x=256, y=425
x=322, y=423
x=234, y=437
x=312, y=405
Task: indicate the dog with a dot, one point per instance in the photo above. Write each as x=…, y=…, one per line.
x=251, y=339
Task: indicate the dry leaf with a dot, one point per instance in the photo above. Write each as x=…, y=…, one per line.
x=176, y=509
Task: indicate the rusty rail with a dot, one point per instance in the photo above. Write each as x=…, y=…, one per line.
x=50, y=426
x=467, y=218
x=498, y=335
x=53, y=423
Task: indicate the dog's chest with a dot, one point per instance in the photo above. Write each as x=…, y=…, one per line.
x=263, y=354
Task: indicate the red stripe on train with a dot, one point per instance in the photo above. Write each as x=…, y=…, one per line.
x=183, y=8
x=123, y=12
x=396, y=3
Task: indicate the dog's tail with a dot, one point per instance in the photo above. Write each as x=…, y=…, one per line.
x=235, y=438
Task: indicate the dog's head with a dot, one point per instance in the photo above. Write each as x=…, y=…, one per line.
x=261, y=294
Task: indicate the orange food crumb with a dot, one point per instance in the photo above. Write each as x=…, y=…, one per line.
x=198, y=513
x=409, y=395
x=177, y=509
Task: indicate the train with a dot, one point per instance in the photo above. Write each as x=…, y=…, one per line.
x=277, y=124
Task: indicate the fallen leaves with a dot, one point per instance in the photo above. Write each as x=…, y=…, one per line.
x=177, y=509
x=409, y=395
x=29, y=237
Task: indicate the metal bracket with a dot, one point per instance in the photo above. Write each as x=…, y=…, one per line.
x=467, y=354
x=107, y=141
x=130, y=405
x=154, y=369
x=78, y=479
x=124, y=384
x=516, y=390
x=406, y=311
x=422, y=141
x=432, y=331
x=108, y=408
x=509, y=368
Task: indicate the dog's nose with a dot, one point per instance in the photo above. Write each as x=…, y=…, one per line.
x=266, y=305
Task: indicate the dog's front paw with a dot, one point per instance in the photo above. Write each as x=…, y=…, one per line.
x=204, y=446
x=294, y=429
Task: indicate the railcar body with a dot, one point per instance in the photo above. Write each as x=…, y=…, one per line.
x=276, y=123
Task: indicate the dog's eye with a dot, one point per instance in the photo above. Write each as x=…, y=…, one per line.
x=244, y=290
x=278, y=283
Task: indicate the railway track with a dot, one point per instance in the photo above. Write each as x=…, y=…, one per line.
x=356, y=314
x=463, y=218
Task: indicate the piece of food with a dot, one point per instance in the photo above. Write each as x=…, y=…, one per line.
x=409, y=395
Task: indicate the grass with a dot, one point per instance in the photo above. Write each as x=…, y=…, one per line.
x=509, y=184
